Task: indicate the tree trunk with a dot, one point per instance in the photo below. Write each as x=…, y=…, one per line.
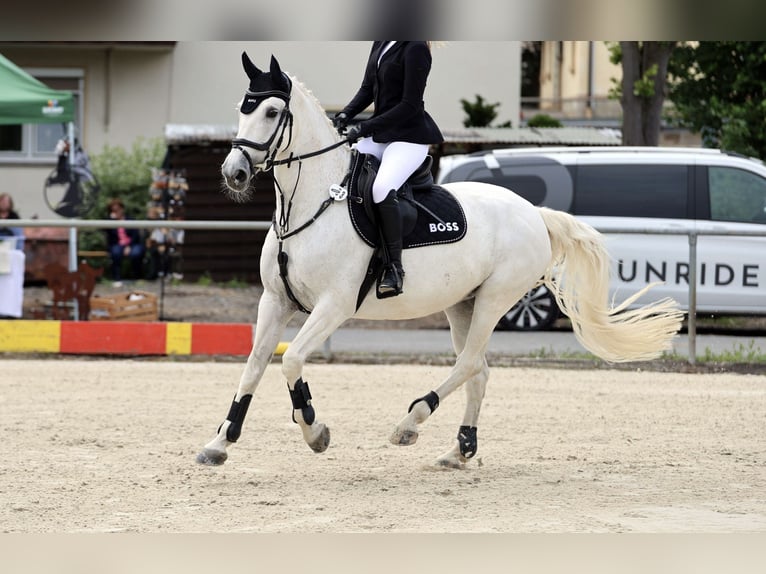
x=655, y=53
x=631, y=106
x=642, y=113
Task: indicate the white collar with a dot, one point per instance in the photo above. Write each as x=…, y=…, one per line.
x=385, y=49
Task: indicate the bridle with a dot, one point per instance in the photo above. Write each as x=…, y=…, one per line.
x=285, y=122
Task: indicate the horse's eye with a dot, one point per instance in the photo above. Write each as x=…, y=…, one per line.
x=272, y=113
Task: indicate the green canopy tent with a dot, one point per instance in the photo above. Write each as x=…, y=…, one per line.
x=26, y=100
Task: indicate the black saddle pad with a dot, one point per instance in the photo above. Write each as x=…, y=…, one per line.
x=434, y=216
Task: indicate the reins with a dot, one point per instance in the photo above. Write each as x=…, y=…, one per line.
x=241, y=143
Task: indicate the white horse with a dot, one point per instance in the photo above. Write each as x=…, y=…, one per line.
x=508, y=246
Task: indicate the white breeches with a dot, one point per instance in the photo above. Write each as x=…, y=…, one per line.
x=398, y=161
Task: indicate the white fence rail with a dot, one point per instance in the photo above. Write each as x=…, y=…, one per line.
x=73, y=225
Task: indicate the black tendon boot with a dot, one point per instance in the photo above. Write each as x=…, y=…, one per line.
x=391, y=227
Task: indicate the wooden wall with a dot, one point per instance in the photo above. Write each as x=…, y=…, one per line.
x=224, y=255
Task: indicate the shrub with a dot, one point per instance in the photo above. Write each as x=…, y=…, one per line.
x=544, y=121
x=126, y=174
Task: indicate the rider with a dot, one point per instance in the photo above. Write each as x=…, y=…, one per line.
x=398, y=133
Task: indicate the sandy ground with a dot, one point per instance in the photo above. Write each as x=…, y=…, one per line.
x=108, y=446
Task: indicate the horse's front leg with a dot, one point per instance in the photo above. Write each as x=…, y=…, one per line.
x=323, y=321
x=273, y=315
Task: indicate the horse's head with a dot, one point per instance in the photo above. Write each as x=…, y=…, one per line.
x=264, y=122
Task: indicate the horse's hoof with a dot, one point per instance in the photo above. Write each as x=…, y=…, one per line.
x=212, y=457
x=450, y=463
x=404, y=438
x=322, y=441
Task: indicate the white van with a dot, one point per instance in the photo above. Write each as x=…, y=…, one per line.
x=649, y=188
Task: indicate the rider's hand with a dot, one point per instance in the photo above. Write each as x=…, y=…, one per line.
x=354, y=133
x=340, y=121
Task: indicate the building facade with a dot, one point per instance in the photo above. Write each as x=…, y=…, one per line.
x=576, y=78
x=131, y=90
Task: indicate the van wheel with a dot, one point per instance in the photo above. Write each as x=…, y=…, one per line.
x=535, y=311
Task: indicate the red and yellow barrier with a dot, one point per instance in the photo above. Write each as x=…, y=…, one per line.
x=127, y=338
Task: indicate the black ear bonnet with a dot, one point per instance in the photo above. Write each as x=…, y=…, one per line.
x=273, y=83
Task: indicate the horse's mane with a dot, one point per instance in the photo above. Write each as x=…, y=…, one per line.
x=310, y=96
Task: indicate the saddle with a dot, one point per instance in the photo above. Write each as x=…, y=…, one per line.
x=430, y=214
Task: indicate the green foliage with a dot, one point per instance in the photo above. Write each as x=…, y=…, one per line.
x=544, y=121
x=236, y=283
x=719, y=91
x=205, y=280
x=739, y=353
x=615, y=57
x=615, y=52
x=126, y=174
x=644, y=87
x=480, y=113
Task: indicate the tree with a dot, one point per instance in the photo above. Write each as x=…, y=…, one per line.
x=642, y=90
x=719, y=91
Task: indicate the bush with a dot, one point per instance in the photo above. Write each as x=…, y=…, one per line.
x=479, y=113
x=126, y=174
x=544, y=121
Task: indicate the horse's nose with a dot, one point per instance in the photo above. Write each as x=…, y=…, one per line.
x=240, y=176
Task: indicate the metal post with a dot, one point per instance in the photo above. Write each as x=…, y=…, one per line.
x=72, y=230
x=692, y=321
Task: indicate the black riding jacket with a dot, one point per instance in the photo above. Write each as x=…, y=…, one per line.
x=396, y=87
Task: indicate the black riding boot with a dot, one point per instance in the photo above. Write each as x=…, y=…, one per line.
x=390, y=219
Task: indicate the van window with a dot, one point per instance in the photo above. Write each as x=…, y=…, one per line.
x=736, y=195
x=530, y=187
x=632, y=191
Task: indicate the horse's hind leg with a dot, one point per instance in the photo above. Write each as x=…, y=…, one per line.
x=273, y=316
x=465, y=445
x=470, y=336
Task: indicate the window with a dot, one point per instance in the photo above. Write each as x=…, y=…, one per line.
x=736, y=195
x=659, y=191
x=530, y=187
x=31, y=142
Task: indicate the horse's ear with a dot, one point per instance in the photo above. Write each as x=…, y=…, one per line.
x=251, y=69
x=277, y=76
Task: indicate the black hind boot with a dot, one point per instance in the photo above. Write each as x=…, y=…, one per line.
x=390, y=219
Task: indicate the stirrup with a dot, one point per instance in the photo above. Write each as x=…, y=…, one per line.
x=390, y=285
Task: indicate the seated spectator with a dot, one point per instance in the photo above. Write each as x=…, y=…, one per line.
x=123, y=243
x=11, y=261
x=6, y=230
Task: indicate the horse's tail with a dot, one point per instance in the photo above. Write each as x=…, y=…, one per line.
x=579, y=279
